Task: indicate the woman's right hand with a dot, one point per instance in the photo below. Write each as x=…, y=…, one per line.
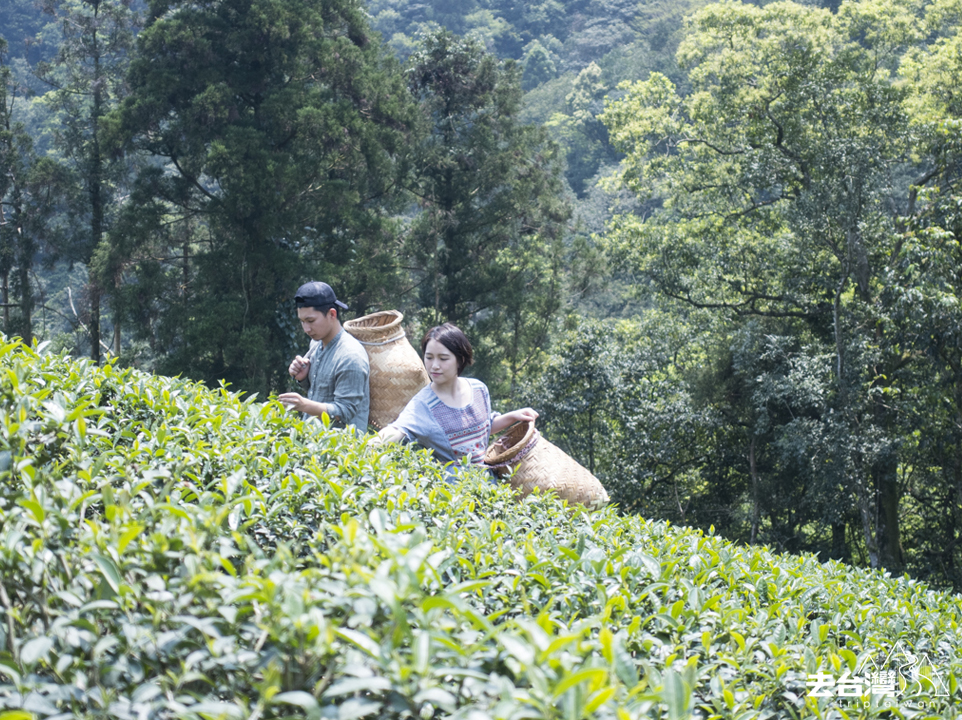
x=388, y=434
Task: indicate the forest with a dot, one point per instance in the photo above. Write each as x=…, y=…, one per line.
x=716, y=245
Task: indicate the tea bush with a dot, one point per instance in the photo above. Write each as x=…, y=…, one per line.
x=171, y=551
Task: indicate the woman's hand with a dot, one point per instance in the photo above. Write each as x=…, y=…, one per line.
x=388, y=434
x=525, y=415
x=515, y=416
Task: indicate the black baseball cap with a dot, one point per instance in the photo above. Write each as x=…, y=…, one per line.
x=317, y=294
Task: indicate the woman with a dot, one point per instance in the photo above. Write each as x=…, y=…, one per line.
x=452, y=416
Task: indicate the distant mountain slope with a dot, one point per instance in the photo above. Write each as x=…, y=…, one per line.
x=557, y=43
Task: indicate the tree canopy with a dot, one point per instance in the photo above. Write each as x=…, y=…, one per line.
x=485, y=242
x=279, y=125
x=780, y=182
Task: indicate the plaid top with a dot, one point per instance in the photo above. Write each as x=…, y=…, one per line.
x=451, y=433
x=338, y=376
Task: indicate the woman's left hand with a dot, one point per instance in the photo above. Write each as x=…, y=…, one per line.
x=502, y=422
x=524, y=415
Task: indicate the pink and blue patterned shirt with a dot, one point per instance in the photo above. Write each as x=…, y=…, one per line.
x=450, y=433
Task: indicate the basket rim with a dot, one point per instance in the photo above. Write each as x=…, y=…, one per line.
x=493, y=458
x=364, y=323
x=372, y=330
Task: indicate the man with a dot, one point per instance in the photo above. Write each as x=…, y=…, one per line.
x=335, y=370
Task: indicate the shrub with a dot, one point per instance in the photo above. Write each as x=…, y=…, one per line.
x=172, y=551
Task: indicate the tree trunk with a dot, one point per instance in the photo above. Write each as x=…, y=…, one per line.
x=889, y=535
x=6, y=301
x=93, y=291
x=955, y=495
x=23, y=257
x=756, y=491
x=865, y=512
x=186, y=262
x=26, y=298
x=96, y=194
x=887, y=483
x=839, y=547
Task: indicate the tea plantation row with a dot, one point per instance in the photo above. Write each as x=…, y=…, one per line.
x=170, y=551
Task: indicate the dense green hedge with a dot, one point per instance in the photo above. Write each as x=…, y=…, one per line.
x=171, y=551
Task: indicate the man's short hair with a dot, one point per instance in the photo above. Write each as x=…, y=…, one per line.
x=323, y=309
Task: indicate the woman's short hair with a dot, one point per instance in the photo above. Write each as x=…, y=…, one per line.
x=454, y=340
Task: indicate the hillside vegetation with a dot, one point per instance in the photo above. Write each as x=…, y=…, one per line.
x=717, y=246
x=171, y=551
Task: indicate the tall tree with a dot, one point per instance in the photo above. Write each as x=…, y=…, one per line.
x=279, y=126
x=486, y=236
x=780, y=180
x=923, y=289
x=923, y=296
x=6, y=160
x=32, y=190
x=94, y=40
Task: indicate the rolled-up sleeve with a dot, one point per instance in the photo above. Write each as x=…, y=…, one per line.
x=350, y=389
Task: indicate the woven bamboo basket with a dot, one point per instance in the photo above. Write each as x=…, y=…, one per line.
x=397, y=372
x=538, y=463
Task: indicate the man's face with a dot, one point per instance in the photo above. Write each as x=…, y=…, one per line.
x=316, y=324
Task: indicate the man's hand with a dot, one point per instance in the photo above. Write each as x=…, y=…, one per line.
x=298, y=403
x=299, y=367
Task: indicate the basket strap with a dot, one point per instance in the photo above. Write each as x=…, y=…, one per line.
x=384, y=342
x=519, y=456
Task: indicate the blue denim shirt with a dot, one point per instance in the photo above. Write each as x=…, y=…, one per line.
x=339, y=376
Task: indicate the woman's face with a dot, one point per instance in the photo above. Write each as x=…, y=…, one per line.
x=441, y=364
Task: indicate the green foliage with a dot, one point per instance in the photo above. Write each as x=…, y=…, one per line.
x=540, y=65
x=552, y=38
x=32, y=190
x=770, y=388
x=605, y=44
x=776, y=183
x=618, y=397
x=172, y=551
x=248, y=192
x=579, y=131
x=486, y=238
x=20, y=21
x=923, y=293
x=276, y=130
